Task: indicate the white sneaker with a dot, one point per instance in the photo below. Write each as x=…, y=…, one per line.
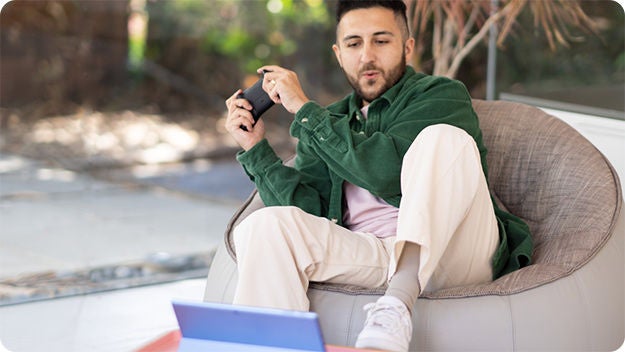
x=388, y=326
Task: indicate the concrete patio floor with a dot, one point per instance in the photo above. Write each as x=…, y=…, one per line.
x=56, y=221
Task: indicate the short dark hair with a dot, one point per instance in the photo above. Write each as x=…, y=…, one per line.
x=397, y=6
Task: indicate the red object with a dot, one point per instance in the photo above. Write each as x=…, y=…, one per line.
x=170, y=341
x=166, y=343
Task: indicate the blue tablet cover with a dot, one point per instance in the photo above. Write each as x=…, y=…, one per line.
x=216, y=326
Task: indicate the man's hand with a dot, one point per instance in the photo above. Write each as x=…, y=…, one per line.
x=283, y=87
x=239, y=115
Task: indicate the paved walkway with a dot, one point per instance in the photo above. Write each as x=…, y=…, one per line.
x=57, y=222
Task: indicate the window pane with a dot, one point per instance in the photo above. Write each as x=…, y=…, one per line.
x=587, y=77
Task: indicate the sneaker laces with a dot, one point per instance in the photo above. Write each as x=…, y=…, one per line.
x=385, y=316
x=388, y=326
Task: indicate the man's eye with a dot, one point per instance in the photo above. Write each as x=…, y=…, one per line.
x=381, y=41
x=352, y=44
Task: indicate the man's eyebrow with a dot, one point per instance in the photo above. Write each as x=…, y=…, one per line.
x=354, y=36
x=383, y=33
x=350, y=37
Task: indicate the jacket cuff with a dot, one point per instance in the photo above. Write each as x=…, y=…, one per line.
x=307, y=118
x=256, y=160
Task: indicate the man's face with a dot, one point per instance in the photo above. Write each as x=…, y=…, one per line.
x=371, y=50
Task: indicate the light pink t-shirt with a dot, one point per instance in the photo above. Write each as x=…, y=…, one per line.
x=365, y=212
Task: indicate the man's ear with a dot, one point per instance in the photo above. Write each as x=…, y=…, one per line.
x=409, y=46
x=337, y=53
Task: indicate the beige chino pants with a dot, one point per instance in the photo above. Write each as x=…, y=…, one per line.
x=446, y=208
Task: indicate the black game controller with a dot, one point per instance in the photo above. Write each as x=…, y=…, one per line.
x=258, y=98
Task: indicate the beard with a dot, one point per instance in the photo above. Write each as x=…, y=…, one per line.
x=368, y=91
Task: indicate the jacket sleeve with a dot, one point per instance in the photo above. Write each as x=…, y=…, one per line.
x=281, y=185
x=373, y=160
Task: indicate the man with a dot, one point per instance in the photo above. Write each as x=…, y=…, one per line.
x=388, y=185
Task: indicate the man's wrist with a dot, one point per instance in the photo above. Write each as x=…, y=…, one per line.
x=246, y=147
x=299, y=106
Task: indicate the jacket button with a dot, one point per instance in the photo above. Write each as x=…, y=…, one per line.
x=304, y=120
x=334, y=220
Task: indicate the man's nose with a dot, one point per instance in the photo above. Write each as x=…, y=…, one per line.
x=368, y=53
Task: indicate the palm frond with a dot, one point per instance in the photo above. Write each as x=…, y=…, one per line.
x=457, y=26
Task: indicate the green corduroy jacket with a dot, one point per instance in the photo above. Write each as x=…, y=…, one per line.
x=337, y=144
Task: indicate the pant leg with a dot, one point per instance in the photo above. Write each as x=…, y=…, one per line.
x=280, y=249
x=446, y=208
